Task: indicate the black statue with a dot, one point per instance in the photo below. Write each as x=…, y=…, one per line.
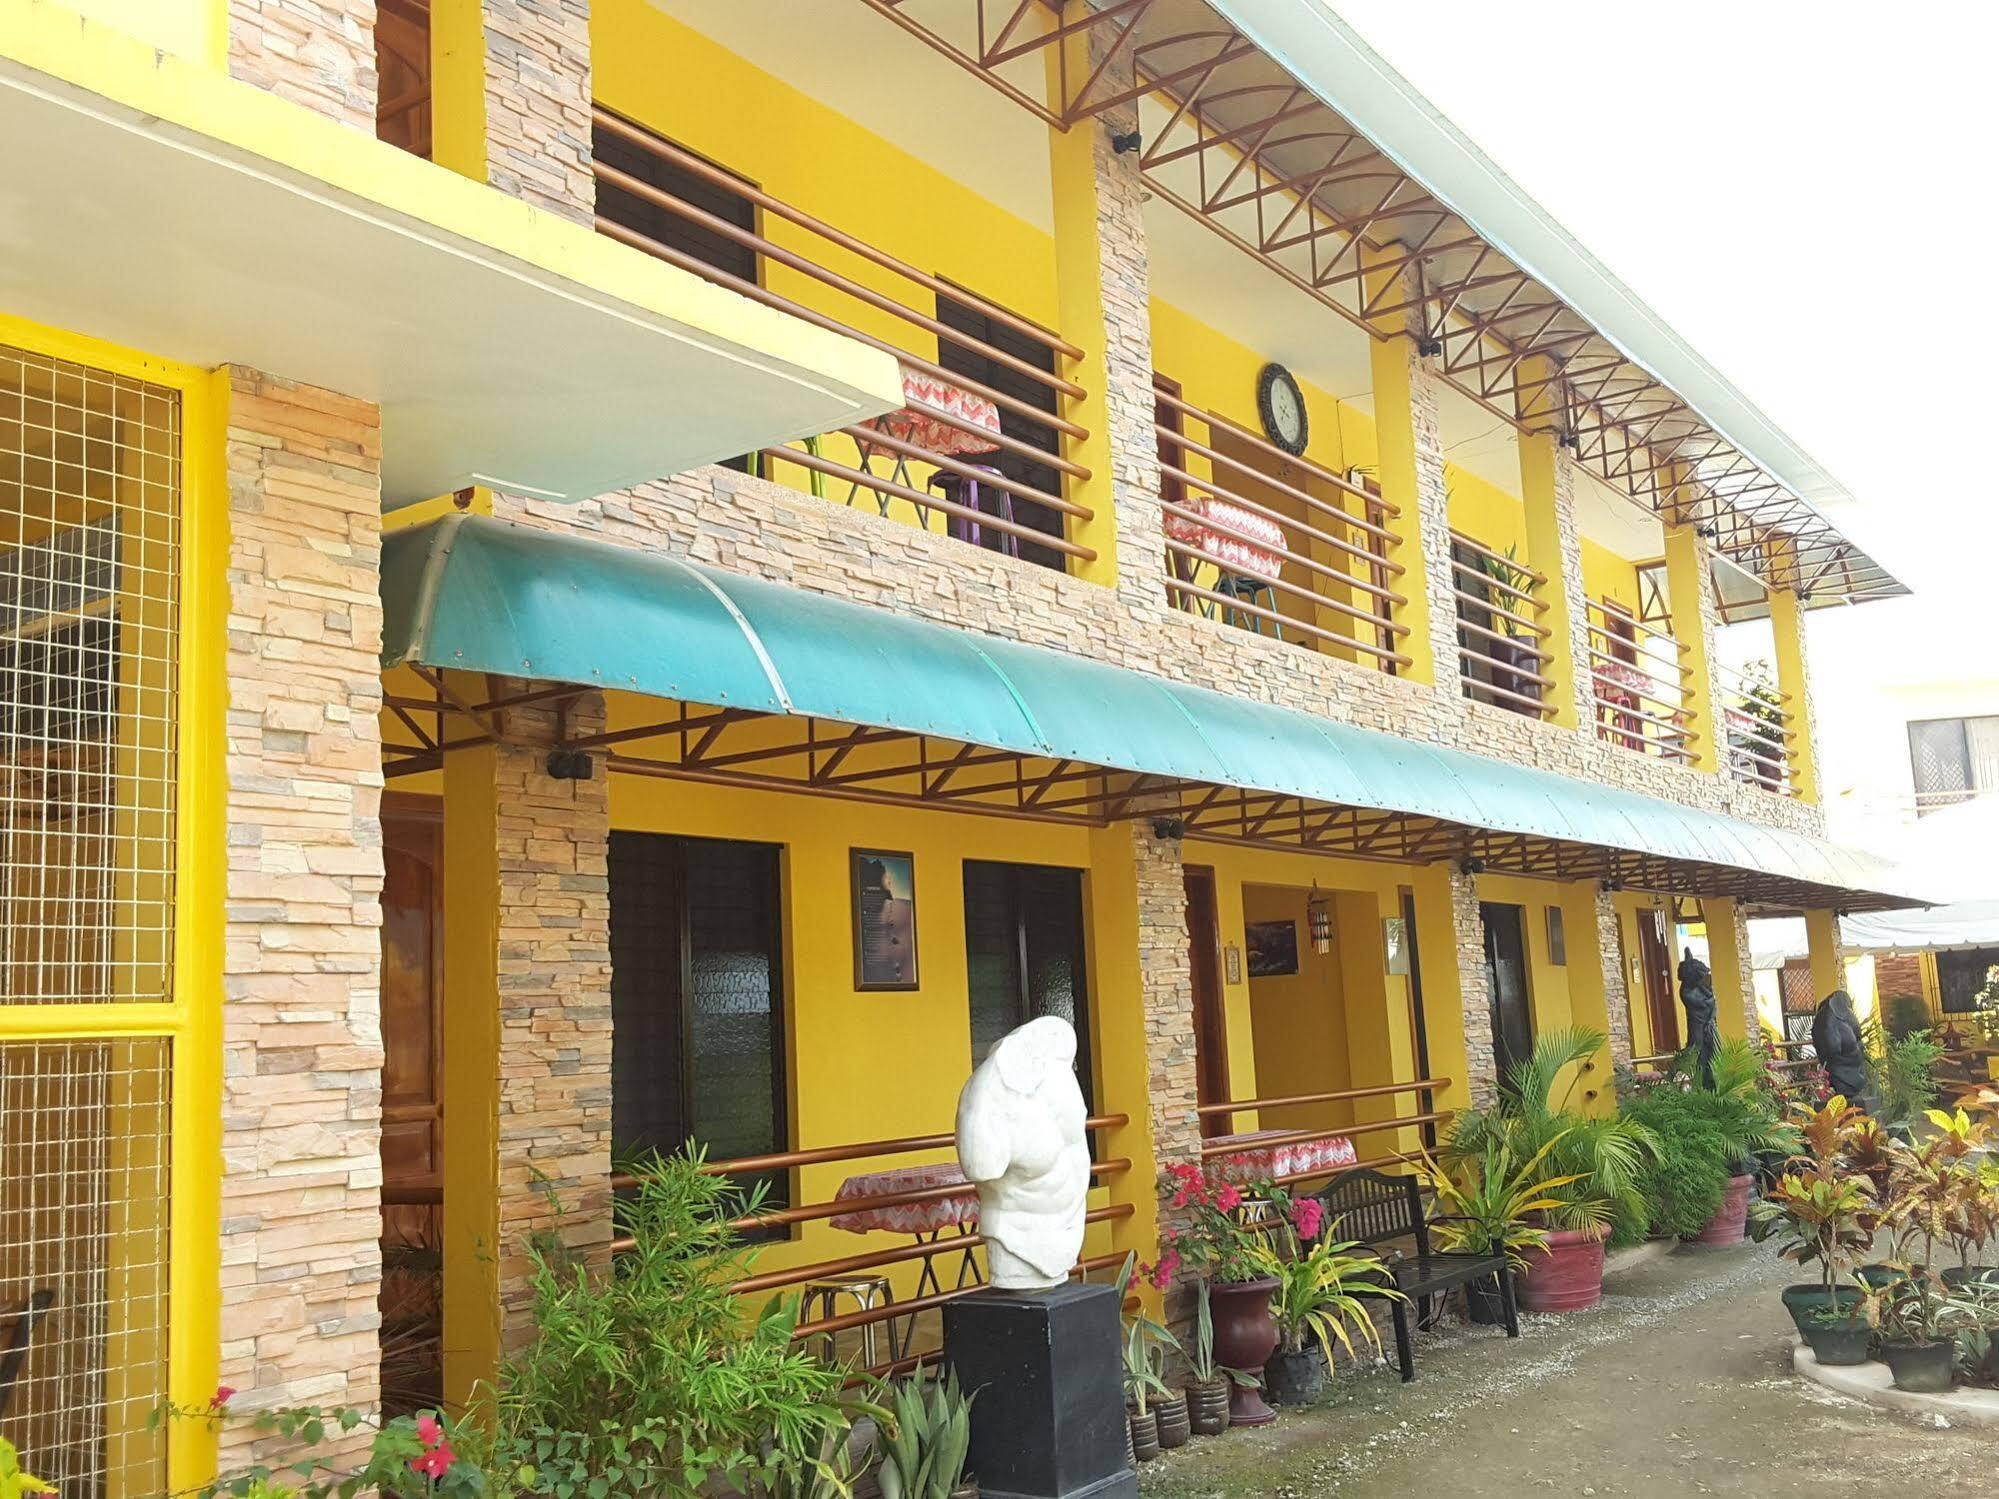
x=1836, y=1038
x=1697, y=999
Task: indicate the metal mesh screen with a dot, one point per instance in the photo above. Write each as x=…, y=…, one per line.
x=84, y=1132
x=89, y=574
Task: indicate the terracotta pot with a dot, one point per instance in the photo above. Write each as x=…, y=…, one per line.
x=1169, y=1413
x=1144, y=1434
x=1245, y=1337
x=1730, y=1223
x=1567, y=1278
x=1208, y=1407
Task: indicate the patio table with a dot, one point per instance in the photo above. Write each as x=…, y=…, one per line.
x=1265, y=1155
x=928, y=1222
x=935, y=416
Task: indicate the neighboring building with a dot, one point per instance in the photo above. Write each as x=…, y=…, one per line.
x=840, y=526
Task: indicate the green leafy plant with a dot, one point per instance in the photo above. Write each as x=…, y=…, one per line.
x=1594, y=1161
x=1903, y=1015
x=923, y=1456
x=342, y=1453
x=1145, y=1343
x=1317, y=1301
x=1824, y=1216
x=1493, y=1203
x=1904, y=1072
x=1682, y=1182
x=15, y=1481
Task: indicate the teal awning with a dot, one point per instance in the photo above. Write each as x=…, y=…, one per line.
x=477, y=594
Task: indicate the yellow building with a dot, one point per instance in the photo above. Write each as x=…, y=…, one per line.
x=588, y=576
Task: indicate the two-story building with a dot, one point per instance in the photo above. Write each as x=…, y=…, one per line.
x=591, y=573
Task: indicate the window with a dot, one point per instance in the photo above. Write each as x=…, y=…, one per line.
x=1960, y=975
x=1024, y=954
x=402, y=71
x=696, y=997
x=1953, y=760
x=974, y=364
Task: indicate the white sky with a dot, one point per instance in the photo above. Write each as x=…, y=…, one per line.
x=1805, y=191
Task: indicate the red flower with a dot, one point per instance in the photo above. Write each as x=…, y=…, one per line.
x=221, y=1397
x=1228, y=1199
x=429, y=1432
x=1161, y=1275
x=434, y=1463
x=1308, y=1217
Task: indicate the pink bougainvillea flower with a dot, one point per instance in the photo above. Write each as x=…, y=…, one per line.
x=429, y=1432
x=1162, y=1273
x=1308, y=1216
x=1228, y=1199
x=221, y=1397
x=434, y=1463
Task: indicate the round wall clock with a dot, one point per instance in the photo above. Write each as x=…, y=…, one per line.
x=1281, y=405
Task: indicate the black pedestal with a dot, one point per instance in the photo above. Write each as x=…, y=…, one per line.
x=1048, y=1422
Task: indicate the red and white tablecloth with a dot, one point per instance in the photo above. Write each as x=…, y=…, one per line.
x=1239, y=540
x=921, y=420
x=930, y=1216
x=1257, y=1158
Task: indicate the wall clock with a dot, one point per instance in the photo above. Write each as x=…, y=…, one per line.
x=1281, y=405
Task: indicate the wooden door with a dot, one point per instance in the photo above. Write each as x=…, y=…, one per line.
x=412, y=985
x=1211, y=1035
x=1655, y=962
x=1506, y=976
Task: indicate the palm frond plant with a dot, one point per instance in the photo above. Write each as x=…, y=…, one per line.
x=1492, y=1203
x=1599, y=1158
x=1317, y=1299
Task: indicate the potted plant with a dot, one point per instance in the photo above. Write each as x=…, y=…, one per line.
x=1218, y=1238
x=924, y=1448
x=1208, y=1382
x=1823, y=1214
x=1973, y=1310
x=1839, y=1332
x=1912, y=1317
x=1491, y=1204
x=1315, y=1304
x=1143, y=1380
x=1592, y=1164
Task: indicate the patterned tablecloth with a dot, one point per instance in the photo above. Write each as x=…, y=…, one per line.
x=931, y=1216
x=1258, y=1159
x=926, y=400
x=1238, y=540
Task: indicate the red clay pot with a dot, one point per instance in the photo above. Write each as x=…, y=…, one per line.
x=1730, y=1223
x=1567, y=1278
x=1245, y=1337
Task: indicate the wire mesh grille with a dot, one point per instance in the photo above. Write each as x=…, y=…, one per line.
x=89, y=597
x=84, y=1140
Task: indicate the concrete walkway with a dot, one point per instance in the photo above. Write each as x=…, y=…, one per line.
x=1678, y=1384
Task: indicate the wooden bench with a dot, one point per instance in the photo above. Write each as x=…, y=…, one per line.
x=1371, y=1208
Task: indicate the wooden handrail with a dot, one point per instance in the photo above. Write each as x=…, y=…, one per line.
x=1184, y=589
x=1223, y=1148
x=1338, y=1095
x=1623, y=617
x=1264, y=445
x=1186, y=476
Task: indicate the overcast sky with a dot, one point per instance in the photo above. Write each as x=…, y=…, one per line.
x=1806, y=192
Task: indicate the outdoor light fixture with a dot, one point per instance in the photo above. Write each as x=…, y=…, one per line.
x=1168, y=829
x=1429, y=348
x=1471, y=866
x=1319, y=921
x=1130, y=141
x=1567, y=440
x=570, y=765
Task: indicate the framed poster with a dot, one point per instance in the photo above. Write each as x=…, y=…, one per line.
x=1273, y=948
x=1395, y=945
x=884, y=902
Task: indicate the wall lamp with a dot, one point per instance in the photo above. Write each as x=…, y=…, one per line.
x=1127, y=142
x=1168, y=829
x=1471, y=866
x=571, y=765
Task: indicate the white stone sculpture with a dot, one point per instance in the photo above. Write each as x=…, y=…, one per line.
x=1020, y=1141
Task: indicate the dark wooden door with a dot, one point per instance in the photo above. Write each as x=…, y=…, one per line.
x=412, y=987
x=1506, y=976
x=1211, y=1036
x=1655, y=960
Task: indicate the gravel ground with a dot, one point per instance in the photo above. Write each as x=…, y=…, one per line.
x=1679, y=1383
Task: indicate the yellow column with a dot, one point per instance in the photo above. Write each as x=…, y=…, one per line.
x=1380, y=1046
x=1687, y=583
x=1728, y=957
x=458, y=86
x=1787, y=630
x=1446, y=949
x=471, y=1082
x=1828, y=957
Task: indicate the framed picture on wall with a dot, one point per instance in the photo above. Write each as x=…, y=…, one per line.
x=1558, y=938
x=884, y=902
x=1395, y=945
x=1273, y=948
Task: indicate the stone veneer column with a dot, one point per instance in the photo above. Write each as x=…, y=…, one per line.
x=1609, y=939
x=1166, y=977
x=301, y=1012
x=1827, y=951
x=1104, y=304
x=319, y=53
x=1474, y=989
x=1410, y=457
x=527, y=1083
x=1555, y=547
x=1690, y=595
x=512, y=105
x=1728, y=957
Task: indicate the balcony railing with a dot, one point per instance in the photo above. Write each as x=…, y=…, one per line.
x=1273, y=542
x=981, y=441
x=1639, y=676
x=1502, y=643
x=1757, y=728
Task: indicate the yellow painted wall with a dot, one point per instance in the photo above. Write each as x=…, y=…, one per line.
x=711, y=101
x=196, y=29
x=1299, y=1020
x=1488, y=513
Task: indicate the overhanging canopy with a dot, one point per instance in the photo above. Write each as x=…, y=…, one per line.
x=477, y=594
